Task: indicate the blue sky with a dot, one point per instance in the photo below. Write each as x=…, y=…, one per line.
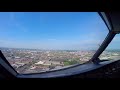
x=52, y=30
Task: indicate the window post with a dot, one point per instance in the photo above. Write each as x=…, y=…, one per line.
x=103, y=46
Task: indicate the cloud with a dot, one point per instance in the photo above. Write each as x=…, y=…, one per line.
x=116, y=38
x=21, y=27
x=88, y=42
x=14, y=21
x=11, y=15
x=54, y=44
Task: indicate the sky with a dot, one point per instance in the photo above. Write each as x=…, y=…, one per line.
x=53, y=30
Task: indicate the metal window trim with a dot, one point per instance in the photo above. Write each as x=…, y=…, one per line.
x=103, y=46
x=7, y=67
x=6, y=64
x=107, y=40
x=106, y=20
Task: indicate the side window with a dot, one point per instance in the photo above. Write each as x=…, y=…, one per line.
x=112, y=52
x=34, y=42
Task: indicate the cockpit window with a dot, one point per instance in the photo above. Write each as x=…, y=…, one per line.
x=112, y=52
x=34, y=42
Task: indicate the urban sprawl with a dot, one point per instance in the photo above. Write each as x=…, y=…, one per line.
x=34, y=61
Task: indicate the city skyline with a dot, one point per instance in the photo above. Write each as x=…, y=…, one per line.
x=53, y=30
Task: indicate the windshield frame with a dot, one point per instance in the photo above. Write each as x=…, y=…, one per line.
x=94, y=58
